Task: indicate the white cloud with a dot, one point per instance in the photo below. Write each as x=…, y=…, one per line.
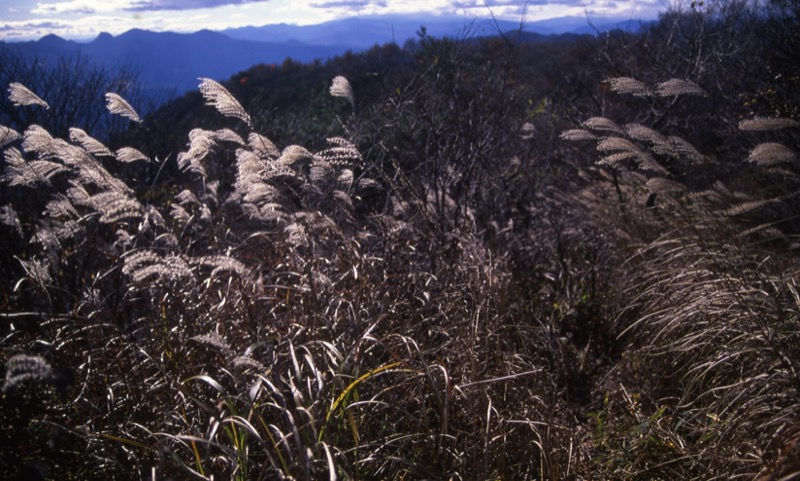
x=86, y=18
x=79, y=6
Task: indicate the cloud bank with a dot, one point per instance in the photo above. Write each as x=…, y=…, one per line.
x=155, y=5
x=86, y=18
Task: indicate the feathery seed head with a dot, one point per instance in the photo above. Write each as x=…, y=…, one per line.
x=119, y=106
x=20, y=95
x=771, y=153
x=676, y=86
x=631, y=86
x=7, y=135
x=578, y=134
x=767, y=123
x=660, y=185
x=89, y=144
x=23, y=368
x=129, y=154
x=294, y=154
x=602, y=124
x=616, y=143
x=340, y=87
x=220, y=98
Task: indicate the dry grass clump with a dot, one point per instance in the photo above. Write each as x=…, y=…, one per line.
x=706, y=385
x=265, y=327
x=716, y=329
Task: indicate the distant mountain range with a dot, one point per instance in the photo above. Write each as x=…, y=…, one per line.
x=364, y=32
x=174, y=61
x=169, y=60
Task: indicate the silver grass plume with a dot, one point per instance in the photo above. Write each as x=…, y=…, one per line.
x=577, y=134
x=45, y=236
x=38, y=140
x=35, y=172
x=119, y=106
x=686, y=150
x=7, y=135
x=296, y=235
x=293, y=154
x=200, y=144
x=262, y=146
x=143, y=266
x=767, y=123
x=321, y=174
x=78, y=195
x=67, y=231
x=9, y=218
x=340, y=87
x=88, y=169
x=617, y=143
x=186, y=197
x=650, y=164
x=261, y=194
x=220, y=263
x=527, y=131
x=343, y=198
x=210, y=194
x=152, y=221
x=116, y=207
x=20, y=95
x=771, y=153
x=228, y=135
x=13, y=157
x=602, y=124
x=129, y=154
x=747, y=207
x=218, y=97
x=89, y=144
x=675, y=87
x=23, y=369
x=660, y=185
x=345, y=179
x=618, y=157
x=179, y=214
x=342, y=152
x=645, y=134
x=212, y=339
x=246, y=362
x=61, y=207
x=249, y=166
x=630, y=86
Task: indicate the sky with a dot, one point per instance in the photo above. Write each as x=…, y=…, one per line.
x=85, y=19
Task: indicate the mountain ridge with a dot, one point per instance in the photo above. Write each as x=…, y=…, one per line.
x=173, y=61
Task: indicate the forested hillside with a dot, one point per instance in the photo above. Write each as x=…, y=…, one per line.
x=467, y=259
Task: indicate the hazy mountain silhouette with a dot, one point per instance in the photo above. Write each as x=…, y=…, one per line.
x=170, y=60
x=173, y=60
x=364, y=32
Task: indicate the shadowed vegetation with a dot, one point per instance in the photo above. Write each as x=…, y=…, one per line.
x=462, y=259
